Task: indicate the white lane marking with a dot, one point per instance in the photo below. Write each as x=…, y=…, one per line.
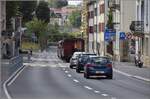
x=129, y=75
x=96, y=91
x=69, y=75
x=145, y=79
x=66, y=71
x=123, y=73
x=75, y=80
x=104, y=95
x=15, y=77
x=87, y=87
x=5, y=83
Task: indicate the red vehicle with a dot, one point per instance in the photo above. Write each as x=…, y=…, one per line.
x=67, y=47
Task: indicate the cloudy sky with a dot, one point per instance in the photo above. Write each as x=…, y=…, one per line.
x=74, y=2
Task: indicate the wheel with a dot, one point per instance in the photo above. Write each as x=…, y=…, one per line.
x=110, y=76
x=77, y=70
x=71, y=66
x=86, y=76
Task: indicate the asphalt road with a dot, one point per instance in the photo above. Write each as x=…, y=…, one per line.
x=47, y=77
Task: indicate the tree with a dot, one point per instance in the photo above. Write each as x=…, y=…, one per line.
x=110, y=20
x=75, y=18
x=40, y=29
x=27, y=9
x=11, y=11
x=61, y=3
x=58, y=3
x=43, y=11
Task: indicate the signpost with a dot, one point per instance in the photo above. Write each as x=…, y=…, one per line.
x=109, y=33
x=122, y=36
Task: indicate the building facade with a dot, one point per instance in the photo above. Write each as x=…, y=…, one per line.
x=146, y=53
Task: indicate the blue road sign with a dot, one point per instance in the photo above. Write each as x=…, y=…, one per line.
x=122, y=36
x=108, y=34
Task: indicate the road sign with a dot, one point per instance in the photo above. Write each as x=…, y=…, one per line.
x=109, y=33
x=122, y=36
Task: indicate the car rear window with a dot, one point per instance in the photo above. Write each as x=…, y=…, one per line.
x=100, y=60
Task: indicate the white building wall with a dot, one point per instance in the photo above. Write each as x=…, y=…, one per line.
x=147, y=33
x=127, y=14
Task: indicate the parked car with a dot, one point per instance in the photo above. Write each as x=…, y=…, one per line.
x=98, y=66
x=74, y=59
x=82, y=60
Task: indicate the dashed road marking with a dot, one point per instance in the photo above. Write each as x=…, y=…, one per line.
x=96, y=91
x=69, y=75
x=66, y=71
x=87, y=87
x=75, y=80
x=104, y=95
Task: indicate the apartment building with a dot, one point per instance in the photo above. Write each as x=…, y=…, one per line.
x=97, y=10
x=146, y=53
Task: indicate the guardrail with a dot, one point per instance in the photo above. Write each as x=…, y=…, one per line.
x=15, y=63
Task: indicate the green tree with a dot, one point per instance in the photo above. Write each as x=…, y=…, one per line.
x=11, y=11
x=110, y=19
x=27, y=9
x=43, y=12
x=58, y=3
x=40, y=29
x=75, y=18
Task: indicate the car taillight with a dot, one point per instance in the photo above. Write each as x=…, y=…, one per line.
x=109, y=65
x=89, y=65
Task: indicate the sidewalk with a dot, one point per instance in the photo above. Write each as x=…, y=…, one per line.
x=131, y=69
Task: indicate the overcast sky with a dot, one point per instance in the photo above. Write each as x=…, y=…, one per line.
x=74, y=2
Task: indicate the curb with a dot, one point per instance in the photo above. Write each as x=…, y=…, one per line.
x=134, y=76
x=5, y=84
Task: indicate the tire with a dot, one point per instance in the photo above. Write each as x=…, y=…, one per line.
x=110, y=76
x=71, y=66
x=77, y=70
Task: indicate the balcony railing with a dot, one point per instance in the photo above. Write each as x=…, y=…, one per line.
x=137, y=26
x=114, y=4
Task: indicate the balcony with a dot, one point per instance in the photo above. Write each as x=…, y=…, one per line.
x=114, y=4
x=137, y=27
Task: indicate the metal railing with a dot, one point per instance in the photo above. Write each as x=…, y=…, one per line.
x=137, y=26
x=15, y=63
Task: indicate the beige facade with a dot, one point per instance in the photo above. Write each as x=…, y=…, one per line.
x=146, y=56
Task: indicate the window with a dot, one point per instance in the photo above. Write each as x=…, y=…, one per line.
x=102, y=8
x=95, y=11
x=92, y=14
x=101, y=27
x=90, y=29
x=146, y=46
x=95, y=28
x=147, y=13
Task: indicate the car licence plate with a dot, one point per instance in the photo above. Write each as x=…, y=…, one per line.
x=98, y=72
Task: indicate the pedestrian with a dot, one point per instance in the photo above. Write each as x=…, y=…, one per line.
x=31, y=51
x=29, y=56
x=137, y=57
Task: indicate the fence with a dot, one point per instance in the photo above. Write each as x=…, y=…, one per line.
x=15, y=63
x=9, y=66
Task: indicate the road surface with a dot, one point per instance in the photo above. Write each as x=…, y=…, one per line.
x=48, y=77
